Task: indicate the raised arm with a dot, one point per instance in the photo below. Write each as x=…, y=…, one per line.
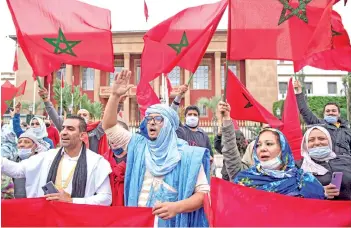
x=176, y=102
x=119, y=87
x=306, y=113
x=16, y=119
x=56, y=119
x=230, y=151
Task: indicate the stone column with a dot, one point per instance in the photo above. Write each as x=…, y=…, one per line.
x=126, y=114
x=187, y=94
x=68, y=74
x=97, y=85
x=261, y=81
x=218, y=78
x=157, y=86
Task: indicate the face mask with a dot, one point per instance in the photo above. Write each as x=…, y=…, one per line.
x=331, y=119
x=271, y=164
x=37, y=131
x=23, y=128
x=192, y=121
x=118, y=151
x=319, y=153
x=24, y=153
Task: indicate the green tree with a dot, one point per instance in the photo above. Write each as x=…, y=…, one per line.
x=210, y=103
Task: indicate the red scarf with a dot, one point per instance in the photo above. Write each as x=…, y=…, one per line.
x=103, y=145
x=116, y=179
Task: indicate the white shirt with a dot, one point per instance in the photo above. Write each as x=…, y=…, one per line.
x=36, y=168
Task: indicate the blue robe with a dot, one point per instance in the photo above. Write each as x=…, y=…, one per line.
x=182, y=178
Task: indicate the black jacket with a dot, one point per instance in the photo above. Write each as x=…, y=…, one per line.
x=342, y=163
x=341, y=137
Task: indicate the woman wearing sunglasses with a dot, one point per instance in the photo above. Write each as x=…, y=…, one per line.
x=36, y=124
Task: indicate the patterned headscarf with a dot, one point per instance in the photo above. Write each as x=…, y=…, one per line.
x=288, y=181
x=162, y=155
x=8, y=142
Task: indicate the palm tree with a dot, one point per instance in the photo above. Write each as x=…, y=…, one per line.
x=211, y=104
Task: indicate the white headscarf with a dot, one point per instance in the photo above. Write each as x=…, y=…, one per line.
x=308, y=164
x=43, y=132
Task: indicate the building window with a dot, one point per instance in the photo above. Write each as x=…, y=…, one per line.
x=309, y=87
x=231, y=67
x=61, y=72
x=200, y=79
x=174, y=76
x=138, y=73
x=332, y=88
x=112, y=75
x=283, y=87
x=88, y=78
x=203, y=111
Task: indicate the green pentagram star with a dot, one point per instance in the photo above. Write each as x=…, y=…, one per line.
x=299, y=12
x=62, y=39
x=183, y=43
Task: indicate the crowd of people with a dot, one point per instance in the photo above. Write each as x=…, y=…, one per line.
x=166, y=165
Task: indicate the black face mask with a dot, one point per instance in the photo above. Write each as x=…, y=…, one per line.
x=47, y=125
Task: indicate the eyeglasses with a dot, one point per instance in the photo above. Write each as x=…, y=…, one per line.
x=157, y=119
x=37, y=123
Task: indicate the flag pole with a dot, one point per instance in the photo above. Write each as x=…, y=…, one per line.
x=34, y=91
x=61, y=111
x=166, y=90
x=163, y=89
x=225, y=81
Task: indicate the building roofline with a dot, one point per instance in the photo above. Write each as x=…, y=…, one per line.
x=14, y=37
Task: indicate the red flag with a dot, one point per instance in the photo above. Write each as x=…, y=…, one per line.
x=146, y=11
x=237, y=206
x=146, y=97
x=275, y=30
x=68, y=33
x=49, y=78
x=244, y=106
x=62, y=83
x=8, y=84
x=180, y=40
x=15, y=62
x=21, y=89
x=7, y=93
x=54, y=214
x=292, y=128
x=338, y=57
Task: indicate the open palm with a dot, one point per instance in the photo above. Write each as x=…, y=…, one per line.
x=121, y=84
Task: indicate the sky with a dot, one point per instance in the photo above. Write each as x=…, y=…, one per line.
x=127, y=15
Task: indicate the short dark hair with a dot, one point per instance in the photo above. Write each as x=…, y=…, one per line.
x=82, y=124
x=332, y=103
x=24, y=124
x=192, y=107
x=123, y=124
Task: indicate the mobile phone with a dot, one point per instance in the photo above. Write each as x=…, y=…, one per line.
x=39, y=83
x=336, y=179
x=49, y=188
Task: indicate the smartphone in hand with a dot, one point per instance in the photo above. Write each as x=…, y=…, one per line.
x=337, y=179
x=49, y=188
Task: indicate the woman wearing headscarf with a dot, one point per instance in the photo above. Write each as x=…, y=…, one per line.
x=321, y=161
x=274, y=168
x=38, y=126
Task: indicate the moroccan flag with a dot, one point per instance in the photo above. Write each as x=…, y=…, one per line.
x=8, y=84
x=49, y=78
x=238, y=206
x=278, y=29
x=146, y=97
x=21, y=89
x=146, y=11
x=244, y=106
x=67, y=33
x=292, y=128
x=38, y=212
x=181, y=40
x=7, y=93
x=338, y=57
x=15, y=62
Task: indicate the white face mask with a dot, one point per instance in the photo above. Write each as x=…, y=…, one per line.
x=272, y=164
x=24, y=153
x=37, y=131
x=192, y=121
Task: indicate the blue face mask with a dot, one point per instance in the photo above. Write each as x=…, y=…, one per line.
x=118, y=151
x=319, y=153
x=331, y=119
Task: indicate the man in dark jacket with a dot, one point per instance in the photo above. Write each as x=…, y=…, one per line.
x=338, y=128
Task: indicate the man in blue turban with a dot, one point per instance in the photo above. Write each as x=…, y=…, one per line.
x=163, y=171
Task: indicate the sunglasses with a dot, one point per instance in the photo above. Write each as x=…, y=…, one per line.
x=156, y=119
x=37, y=123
